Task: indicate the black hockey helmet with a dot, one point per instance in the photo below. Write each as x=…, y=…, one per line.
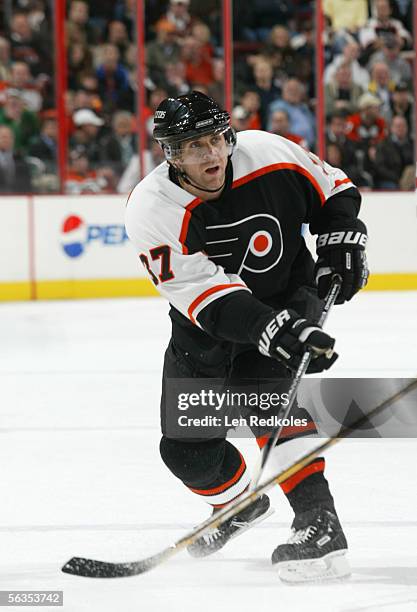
x=189, y=116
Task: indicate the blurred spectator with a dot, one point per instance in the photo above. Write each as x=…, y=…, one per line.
x=14, y=172
x=197, y=60
x=350, y=15
x=131, y=57
x=175, y=81
x=155, y=98
x=251, y=102
x=366, y=129
x=279, y=42
x=44, y=146
x=350, y=55
x=329, y=41
x=78, y=29
x=342, y=92
x=264, y=87
x=5, y=60
x=125, y=11
x=120, y=145
x=163, y=50
x=395, y=168
x=84, y=98
x=42, y=156
x=240, y=118
x=338, y=144
x=372, y=34
x=152, y=158
x=201, y=32
x=178, y=14
x=22, y=122
x=336, y=128
x=216, y=88
x=366, y=126
x=21, y=80
x=89, y=86
x=38, y=18
x=382, y=86
x=112, y=77
x=27, y=47
x=80, y=61
x=304, y=45
x=390, y=55
x=334, y=155
x=87, y=128
x=402, y=104
x=118, y=36
x=280, y=125
x=81, y=178
x=301, y=118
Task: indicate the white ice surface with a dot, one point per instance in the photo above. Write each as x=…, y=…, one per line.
x=80, y=472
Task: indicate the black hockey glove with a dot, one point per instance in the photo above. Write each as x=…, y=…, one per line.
x=342, y=251
x=286, y=337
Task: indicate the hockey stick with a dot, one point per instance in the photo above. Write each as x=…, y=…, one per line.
x=91, y=568
x=292, y=393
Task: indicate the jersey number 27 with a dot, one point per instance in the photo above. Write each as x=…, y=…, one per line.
x=164, y=254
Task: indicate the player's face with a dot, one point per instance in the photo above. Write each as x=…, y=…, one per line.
x=204, y=160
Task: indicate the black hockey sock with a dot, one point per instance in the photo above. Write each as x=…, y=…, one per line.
x=309, y=488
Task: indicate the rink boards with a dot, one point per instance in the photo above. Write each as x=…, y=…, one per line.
x=76, y=246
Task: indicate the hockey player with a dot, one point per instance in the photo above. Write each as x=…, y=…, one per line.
x=218, y=228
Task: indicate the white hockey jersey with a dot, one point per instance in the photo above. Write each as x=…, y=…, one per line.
x=250, y=238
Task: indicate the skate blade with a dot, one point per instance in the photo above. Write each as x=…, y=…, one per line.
x=200, y=553
x=333, y=566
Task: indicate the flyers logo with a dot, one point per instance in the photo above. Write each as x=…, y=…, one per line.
x=253, y=244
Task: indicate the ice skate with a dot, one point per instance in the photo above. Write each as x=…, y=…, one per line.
x=238, y=524
x=316, y=549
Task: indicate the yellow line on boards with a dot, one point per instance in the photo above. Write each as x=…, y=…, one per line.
x=15, y=291
x=138, y=287
x=78, y=289
x=392, y=282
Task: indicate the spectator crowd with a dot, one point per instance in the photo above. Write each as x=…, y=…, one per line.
x=368, y=85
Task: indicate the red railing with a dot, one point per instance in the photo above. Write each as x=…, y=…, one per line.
x=61, y=86
x=141, y=94
x=320, y=109
x=228, y=52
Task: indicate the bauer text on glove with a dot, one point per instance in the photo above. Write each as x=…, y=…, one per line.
x=342, y=251
x=285, y=337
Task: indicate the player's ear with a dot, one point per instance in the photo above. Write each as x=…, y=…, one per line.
x=177, y=163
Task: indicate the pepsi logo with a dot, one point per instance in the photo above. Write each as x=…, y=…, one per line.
x=73, y=236
x=77, y=235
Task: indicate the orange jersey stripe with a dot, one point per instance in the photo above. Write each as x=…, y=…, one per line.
x=225, y=485
x=186, y=222
x=208, y=292
x=282, y=166
x=341, y=182
x=293, y=481
x=246, y=179
x=288, y=432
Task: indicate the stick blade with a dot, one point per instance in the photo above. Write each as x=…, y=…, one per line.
x=90, y=568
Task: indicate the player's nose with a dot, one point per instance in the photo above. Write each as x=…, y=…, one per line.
x=210, y=151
